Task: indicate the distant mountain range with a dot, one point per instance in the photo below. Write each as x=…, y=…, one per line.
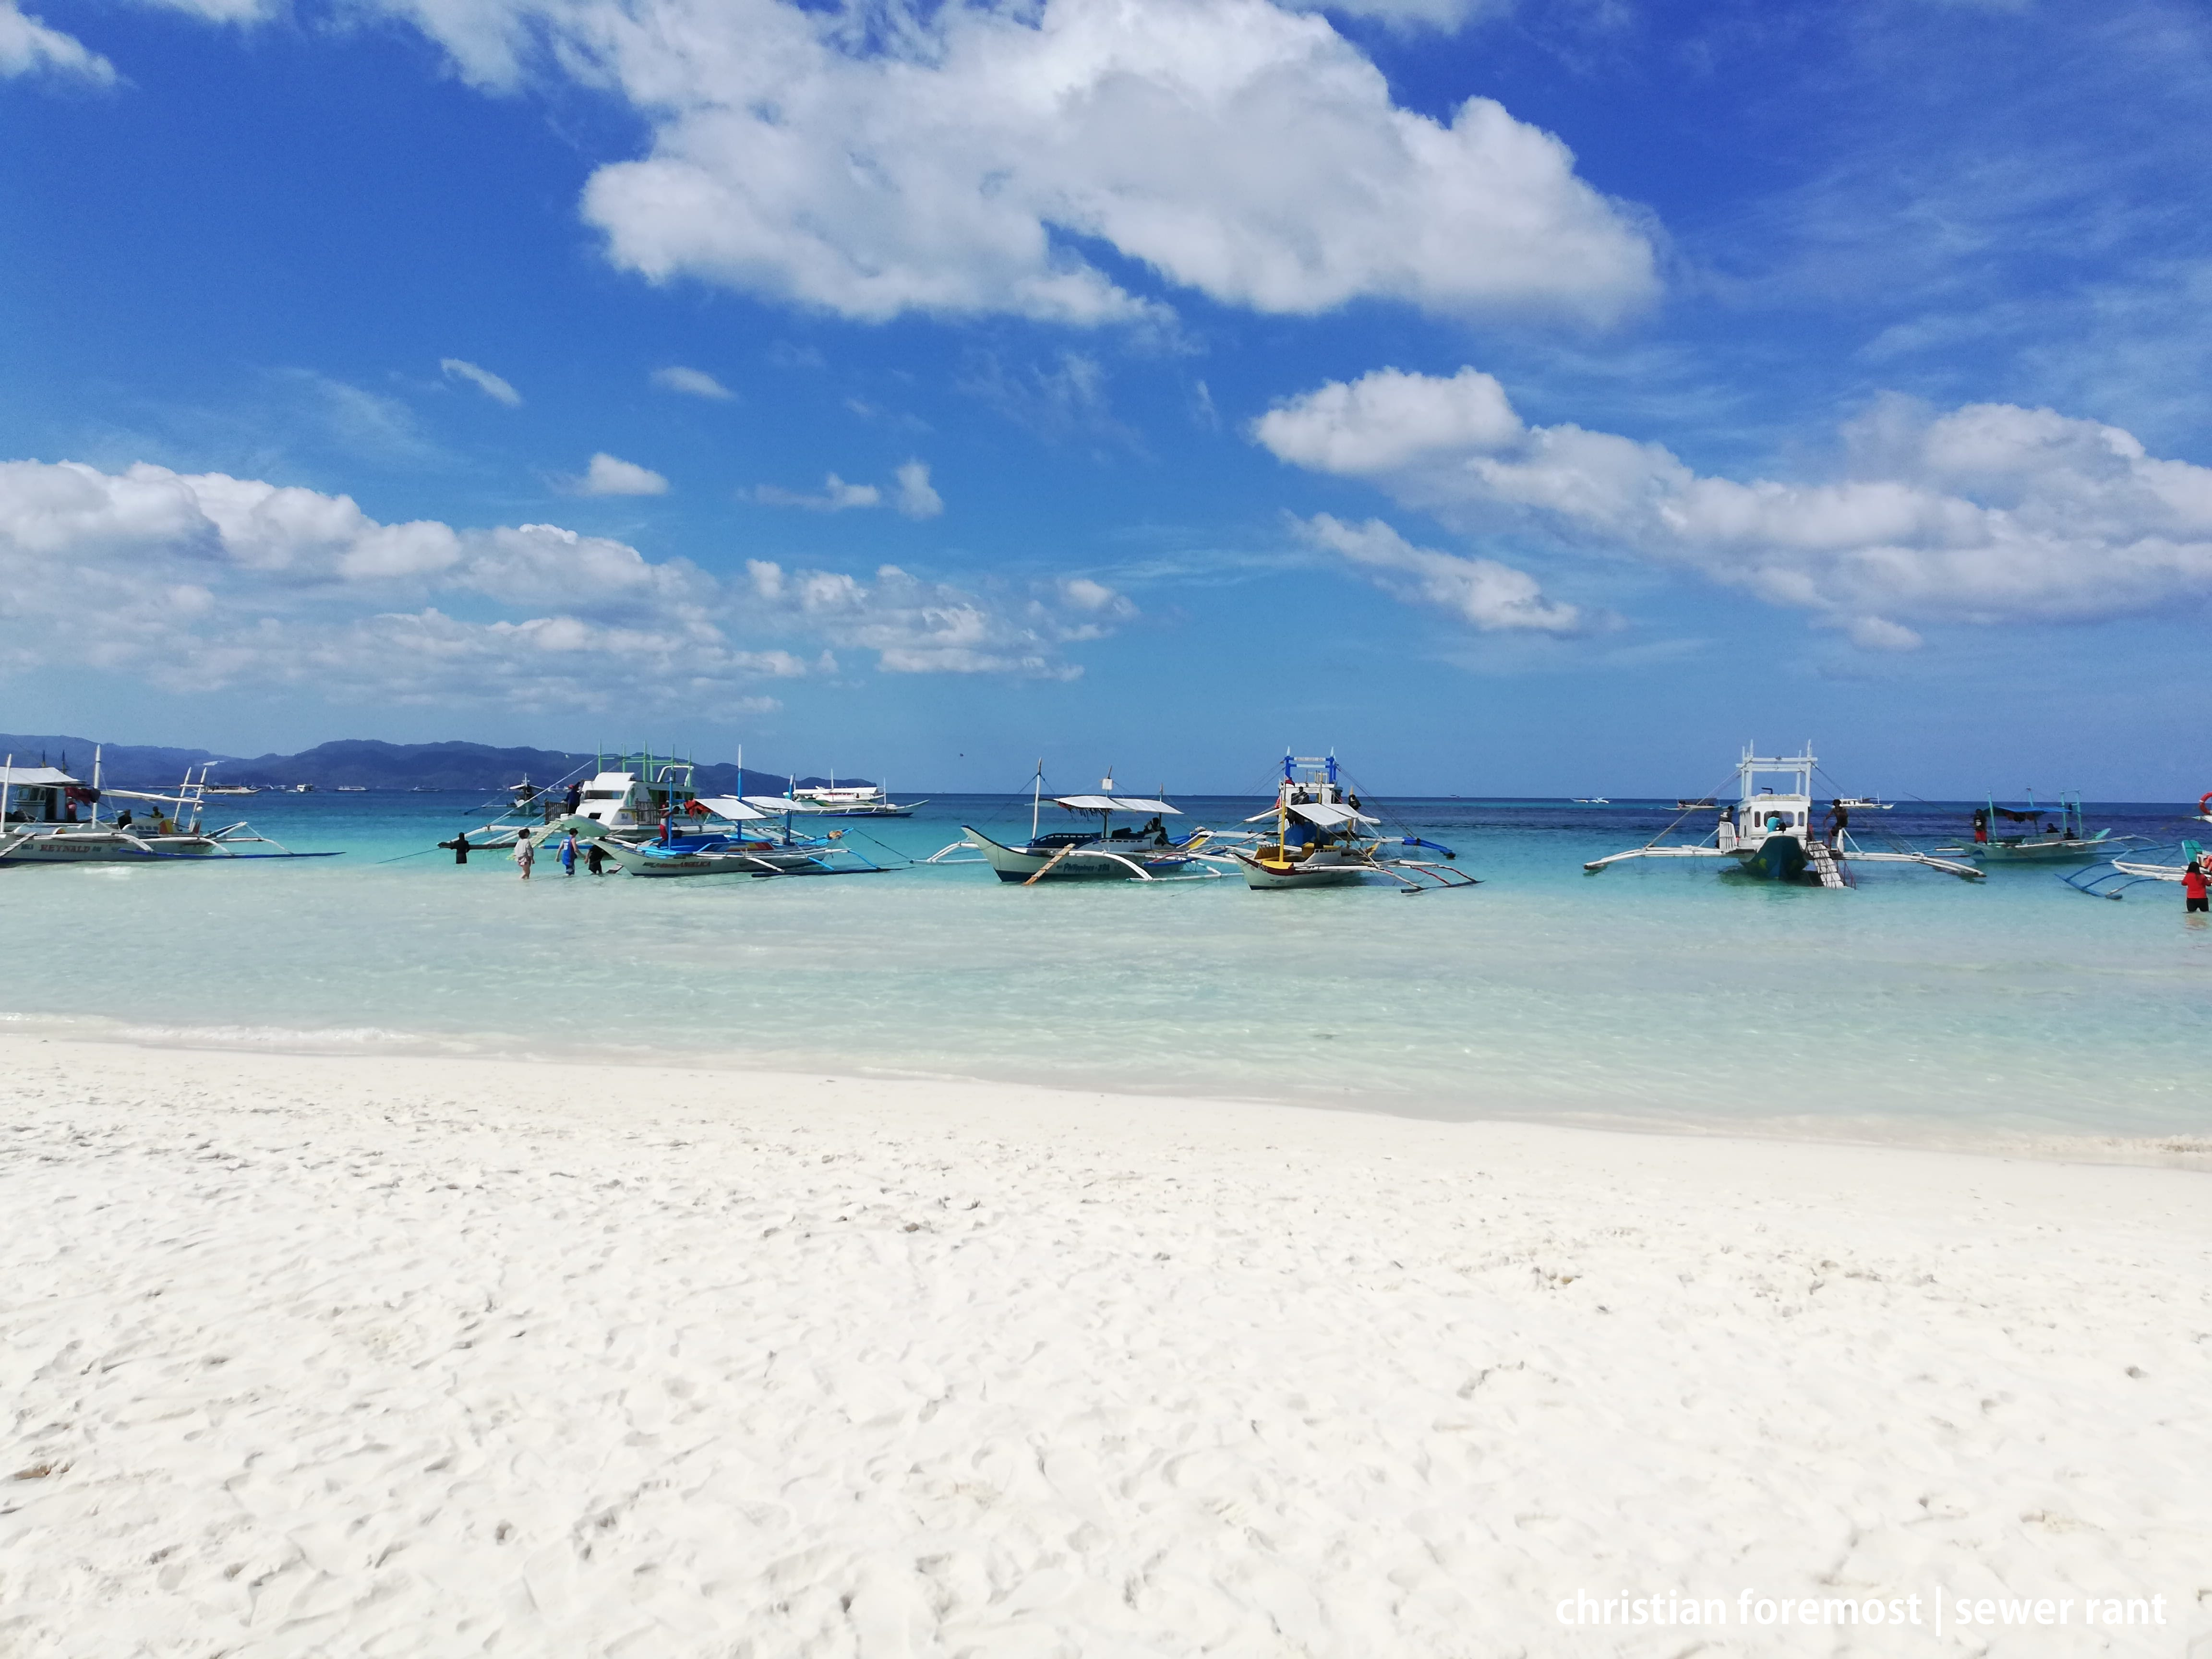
x=363, y=762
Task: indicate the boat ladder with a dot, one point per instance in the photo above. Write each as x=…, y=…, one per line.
x=1826, y=866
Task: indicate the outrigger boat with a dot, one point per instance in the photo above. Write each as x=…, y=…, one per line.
x=38, y=822
x=855, y=800
x=2066, y=841
x=1769, y=835
x=1323, y=839
x=703, y=848
x=1148, y=854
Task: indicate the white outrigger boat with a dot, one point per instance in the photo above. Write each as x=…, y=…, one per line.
x=1148, y=854
x=1323, y=839
x=2063, y=839
x=1769, y=833
x=714, y=841
x=853, y=801
x=38, y=822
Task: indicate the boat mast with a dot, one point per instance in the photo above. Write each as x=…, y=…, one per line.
x=1037, y=798
x=95, y=783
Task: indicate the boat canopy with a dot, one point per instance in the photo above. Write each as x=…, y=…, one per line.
x=728, y=806
x=1326, y=814
x=37, y=777
x=1116, y=804
x=777, y=806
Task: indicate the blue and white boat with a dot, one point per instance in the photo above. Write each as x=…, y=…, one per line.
x=1769, y=833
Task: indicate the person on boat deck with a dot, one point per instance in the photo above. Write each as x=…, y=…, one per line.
x=1773, y=821
x=1839, y=819
x=461, y=849
x=2195, y=890
x=1982, y=824
x=575, y=798
x=595, y=859
x=123, y=819
x=569, y=854
x=1156, y=831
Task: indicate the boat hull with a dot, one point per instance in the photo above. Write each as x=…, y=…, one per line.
x=1262, y=876
x=2040, y=852
x=1777, y=858
x=1101, y=862
x=95, y=849
x=653, y=861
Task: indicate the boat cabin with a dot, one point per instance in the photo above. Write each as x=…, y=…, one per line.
x=40, y=794
x=1761, y=811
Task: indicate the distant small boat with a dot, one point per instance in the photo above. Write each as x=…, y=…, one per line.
x=353, y=789
x=1861, y=804
x=1592, y=800
x=853, y=801
x=1693, y=806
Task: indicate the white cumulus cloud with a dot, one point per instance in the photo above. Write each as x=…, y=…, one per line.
x=28, y=46
x=484, y=379
x=914, y=495
x=1989, y=514
x=878, y=158
x=691, y=382
x=208, y=580
x=610, y=475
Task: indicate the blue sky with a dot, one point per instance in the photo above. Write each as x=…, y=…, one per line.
x=1195, y=378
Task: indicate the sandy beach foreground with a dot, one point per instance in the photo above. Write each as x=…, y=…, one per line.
x=415, y=1357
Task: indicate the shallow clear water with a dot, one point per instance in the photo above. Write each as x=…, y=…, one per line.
x=1918, y=1006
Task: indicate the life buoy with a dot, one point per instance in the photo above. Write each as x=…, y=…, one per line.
x=2204, y=805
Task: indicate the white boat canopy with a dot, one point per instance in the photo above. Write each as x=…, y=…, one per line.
x=1116, y=804
x=35, y=777
x=1326, y=814
x=730, y=807
x=777, y=806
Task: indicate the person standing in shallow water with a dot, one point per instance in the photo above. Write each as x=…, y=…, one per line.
x=595, y=858
x=2196, y=891
x=461, y=849
x=569, y=854
x=526, y=854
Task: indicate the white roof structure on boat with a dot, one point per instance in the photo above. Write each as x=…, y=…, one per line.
x=1328, y=814
x=1116, y=804
x=731, y=807
x=35, y=777
x=774, y=806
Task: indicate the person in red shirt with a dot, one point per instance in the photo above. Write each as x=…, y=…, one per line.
x=2193, y=887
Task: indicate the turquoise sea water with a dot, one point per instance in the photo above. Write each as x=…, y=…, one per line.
x=1917, y=1006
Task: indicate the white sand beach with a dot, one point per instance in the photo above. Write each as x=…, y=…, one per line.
x=324, y=1356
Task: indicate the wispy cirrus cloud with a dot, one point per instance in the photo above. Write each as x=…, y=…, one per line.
x=911, y=495
x=482, y=379
x=28, y=47
x=691, y=382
